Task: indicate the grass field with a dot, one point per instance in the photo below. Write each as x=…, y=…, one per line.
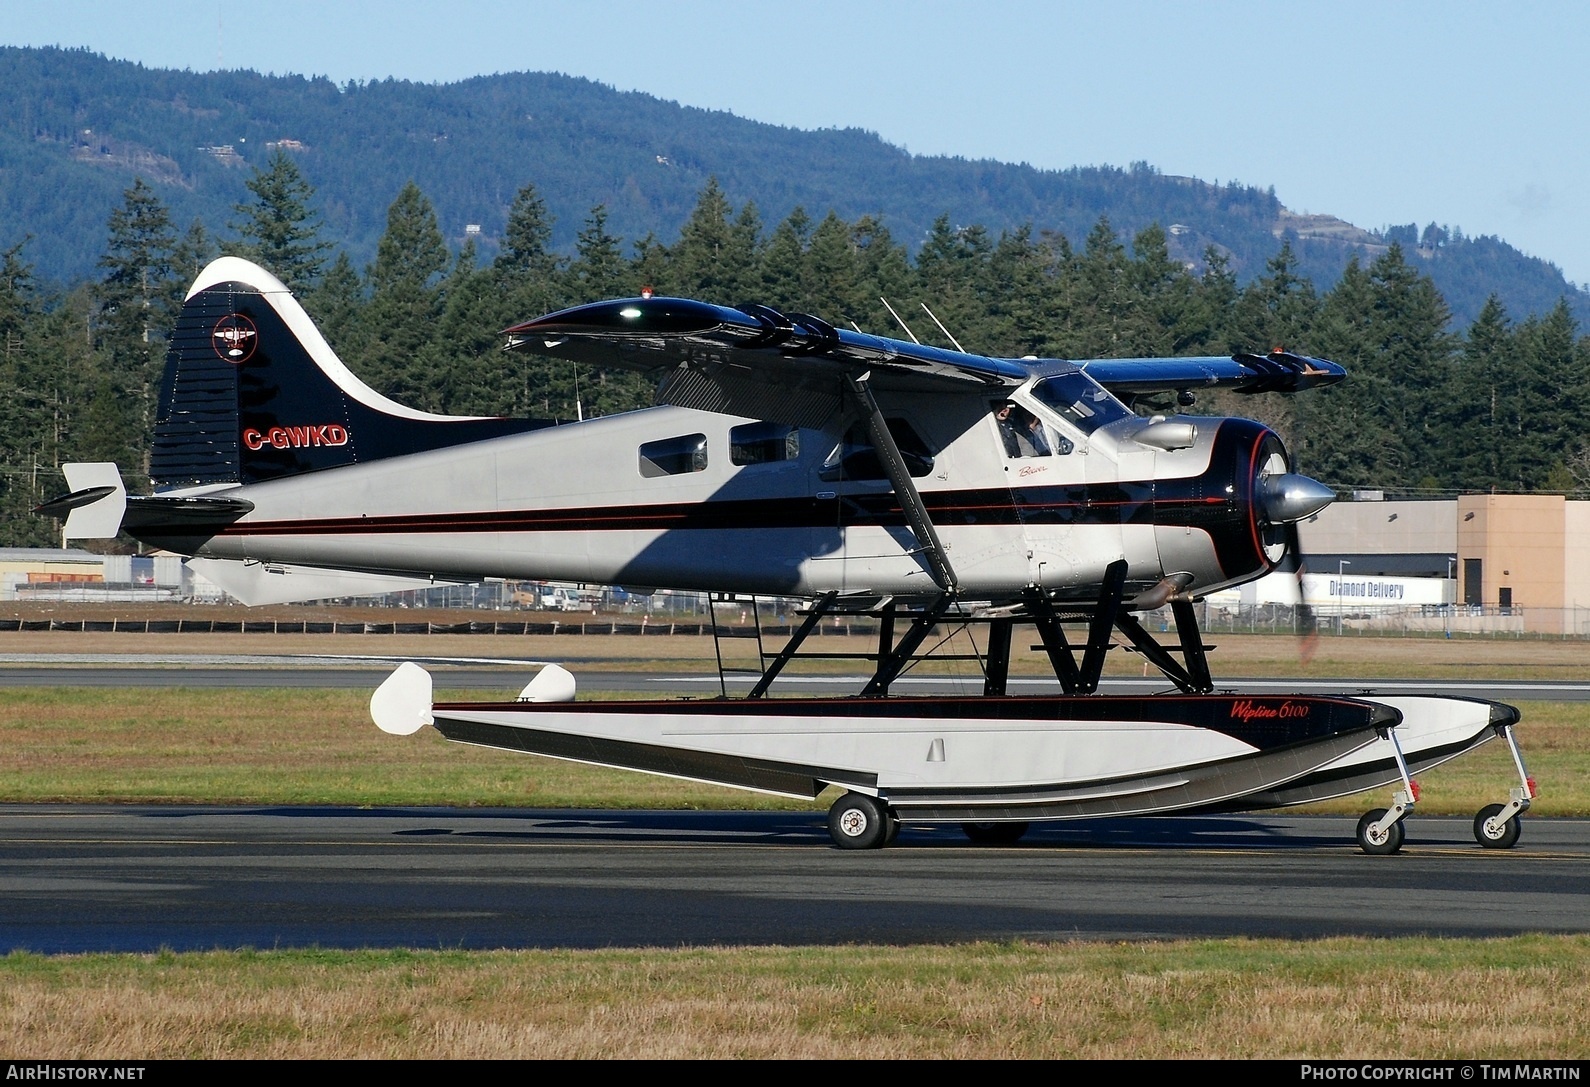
x=1515, y=998
x=1344, y=998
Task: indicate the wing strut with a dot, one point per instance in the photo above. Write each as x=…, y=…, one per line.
x=905, y=491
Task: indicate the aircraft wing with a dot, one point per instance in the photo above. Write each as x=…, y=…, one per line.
x=791, y=368
x=756, y=362
x=1279, y=371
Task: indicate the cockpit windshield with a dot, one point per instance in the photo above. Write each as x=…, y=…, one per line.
x=1082, y=401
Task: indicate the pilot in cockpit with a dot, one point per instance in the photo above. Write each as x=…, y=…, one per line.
x=1020, y=431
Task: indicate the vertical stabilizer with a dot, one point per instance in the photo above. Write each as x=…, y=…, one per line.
x=253, y=392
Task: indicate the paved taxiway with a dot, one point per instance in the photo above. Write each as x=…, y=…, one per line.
x=143, y=878
x=466, y=673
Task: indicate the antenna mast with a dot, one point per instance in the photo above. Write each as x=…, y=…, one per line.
x=900, y=321
x=942, y=329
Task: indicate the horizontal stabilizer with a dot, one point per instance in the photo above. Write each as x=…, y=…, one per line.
x=95, y=505
x=256, y=583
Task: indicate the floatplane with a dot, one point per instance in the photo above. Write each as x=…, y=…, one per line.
x=787, y=456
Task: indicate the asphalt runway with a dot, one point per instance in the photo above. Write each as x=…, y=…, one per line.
x=79, y=879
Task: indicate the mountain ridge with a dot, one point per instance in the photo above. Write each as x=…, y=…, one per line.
x=77, y=127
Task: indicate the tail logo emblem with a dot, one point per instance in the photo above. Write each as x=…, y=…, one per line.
x=234, y=338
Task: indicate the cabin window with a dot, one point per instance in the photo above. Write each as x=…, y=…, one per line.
x=1080, y=400
x=674, y=456
x=763, y=443
x=855, y=458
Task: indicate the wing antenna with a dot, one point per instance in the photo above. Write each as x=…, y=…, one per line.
x=900, y=321
x=942, y=329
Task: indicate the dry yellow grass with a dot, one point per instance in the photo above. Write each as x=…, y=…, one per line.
x=1514, y=999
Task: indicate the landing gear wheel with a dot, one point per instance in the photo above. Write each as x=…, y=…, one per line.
x=1491, y=833
x=858, y=821
x=994, y=833
x=894, y=829
x=1383, y=843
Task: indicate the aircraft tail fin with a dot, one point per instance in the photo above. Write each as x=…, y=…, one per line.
x=252, y=392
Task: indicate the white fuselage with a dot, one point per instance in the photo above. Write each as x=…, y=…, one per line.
x=584, y=502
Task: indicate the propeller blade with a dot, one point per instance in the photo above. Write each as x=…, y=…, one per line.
x=1307, y=623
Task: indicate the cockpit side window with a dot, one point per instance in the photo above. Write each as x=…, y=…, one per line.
x=1022, y=434
x=1080, y=400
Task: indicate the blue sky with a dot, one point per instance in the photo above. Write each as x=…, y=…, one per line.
x=1467, y=114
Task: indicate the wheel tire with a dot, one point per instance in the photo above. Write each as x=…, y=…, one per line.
x=1390, y=843
x=894, y=829
x=857, y=821
x=994, y=833
x=1492, y=837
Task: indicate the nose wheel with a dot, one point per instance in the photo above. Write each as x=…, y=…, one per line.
x=1497, y=826
x=1380, y=832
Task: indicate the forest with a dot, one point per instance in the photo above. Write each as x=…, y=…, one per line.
x=1426, y=411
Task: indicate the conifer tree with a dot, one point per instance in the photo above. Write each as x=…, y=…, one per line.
x=1103, y=294
x=1338, y=439
x=952, y=277
x=1162, y=297
x=335, y=304
x=783, y=262
x=278, y=229
x=1214, y=298
x=138, y=267
x=829, y=272
x=883, y=270
x=22, y=403
x=1278, y=309
x=712, y=259
x=1021, y=302
x=400, y=318
x=1412, y=355
x=1551, y=396
x=136, y=300
x=1484, y=422
x=193, y=251
x=598, y=270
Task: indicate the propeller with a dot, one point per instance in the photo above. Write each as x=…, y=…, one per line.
x=1286, y=498
x=1307, y=624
